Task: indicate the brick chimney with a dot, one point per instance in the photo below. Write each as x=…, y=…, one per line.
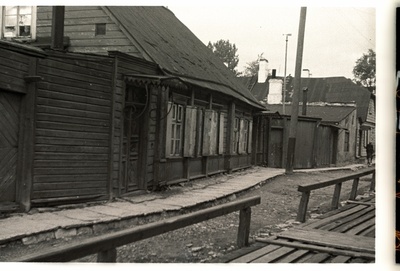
x=275, y=89
x=262, y=70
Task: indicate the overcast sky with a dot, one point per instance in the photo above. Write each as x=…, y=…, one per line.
x=335, y=37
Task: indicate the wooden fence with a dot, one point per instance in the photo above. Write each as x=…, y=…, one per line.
x=105, y=245
x=306, y=190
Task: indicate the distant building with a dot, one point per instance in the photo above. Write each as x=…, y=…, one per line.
x=326, y=90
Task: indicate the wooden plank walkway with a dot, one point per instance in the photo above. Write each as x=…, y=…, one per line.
x=345, y=235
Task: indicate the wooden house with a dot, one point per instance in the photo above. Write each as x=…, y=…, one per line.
x=325, y=90
x=326, y=136
x=126, y=100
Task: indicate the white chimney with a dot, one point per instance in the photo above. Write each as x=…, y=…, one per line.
x=275, y=91
x=262, y=70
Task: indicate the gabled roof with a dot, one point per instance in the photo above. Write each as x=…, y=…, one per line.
x=328, y=113
x=338, y=90
x=178, y=52
x=325, y=89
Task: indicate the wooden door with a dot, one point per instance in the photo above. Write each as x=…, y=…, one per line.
x=135, y=105
x=275, y=151
x=9, y=128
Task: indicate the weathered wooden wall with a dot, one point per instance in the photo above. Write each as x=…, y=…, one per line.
x=305, y=144
x=324, y=146
x=80, y=25
x=349, y=124
x=73, y=118
x=209, y=139
x=14, y=67
x=313, y=146
x=126, y=65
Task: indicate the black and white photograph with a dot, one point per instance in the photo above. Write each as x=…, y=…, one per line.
x=196, y=133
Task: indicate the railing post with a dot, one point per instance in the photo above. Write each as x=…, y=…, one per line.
x=301, y=215
x=354, y=189
x=336, y=196
x=372, y=187
x=244, y=227
x=107, y=256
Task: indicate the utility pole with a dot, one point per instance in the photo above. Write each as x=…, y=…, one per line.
x=284, y=76
x=296, y=93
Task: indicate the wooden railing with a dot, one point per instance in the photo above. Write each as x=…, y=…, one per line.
x=306, y=190
x=106, y=245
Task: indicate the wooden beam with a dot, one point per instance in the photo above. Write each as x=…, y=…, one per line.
x=112, y=128
x=107, y=256
x=336, y=196
x=229, y=137
x=331, y=239
x=244, y=227
x=107, y=242
x=57, y=28
x=361, y=203
x=26, y=141
x=354, y=189
x=158, y=144
x=301, y=214
x=372, y=187
x=313, y=186
x=310, y=247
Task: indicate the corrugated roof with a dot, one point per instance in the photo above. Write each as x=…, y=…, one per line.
x=327, y=113
x=170, y=44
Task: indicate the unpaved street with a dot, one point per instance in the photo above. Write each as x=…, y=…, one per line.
x=209, y=240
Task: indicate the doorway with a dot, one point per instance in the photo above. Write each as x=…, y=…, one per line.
x=133, y=139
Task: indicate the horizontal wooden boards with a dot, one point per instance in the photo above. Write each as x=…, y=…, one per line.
x=14, y=67
x=73, y=119
x=331, y=239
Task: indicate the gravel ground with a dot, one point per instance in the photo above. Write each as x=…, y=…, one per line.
x=211, y=239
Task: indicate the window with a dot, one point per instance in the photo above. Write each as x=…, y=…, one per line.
x=346, y=141
x=175, y=130
x=100, y=29
x=18, y=22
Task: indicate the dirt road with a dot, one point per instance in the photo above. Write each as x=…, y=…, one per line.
x=209, y=240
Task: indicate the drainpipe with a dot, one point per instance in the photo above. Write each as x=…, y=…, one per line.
x=304, y=112
x=57, y=28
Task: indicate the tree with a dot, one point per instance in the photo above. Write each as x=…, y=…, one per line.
x=227, y=52
x=252, y=68
x=365, y=70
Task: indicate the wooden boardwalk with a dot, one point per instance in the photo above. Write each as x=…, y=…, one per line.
x=345, y=235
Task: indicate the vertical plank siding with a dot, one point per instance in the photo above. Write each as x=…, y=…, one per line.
x=72, y=128
x=80, y=26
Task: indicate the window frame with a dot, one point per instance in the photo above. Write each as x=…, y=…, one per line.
x=175, y=130
x=346, y=141
x=33, y=25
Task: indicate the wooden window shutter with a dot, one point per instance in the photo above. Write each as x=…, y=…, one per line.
x=199, y=133
x=169, y=130
x=241, y=137
x=221, y=134
x=210, y=133
x=249, y=146
x=190, y=131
